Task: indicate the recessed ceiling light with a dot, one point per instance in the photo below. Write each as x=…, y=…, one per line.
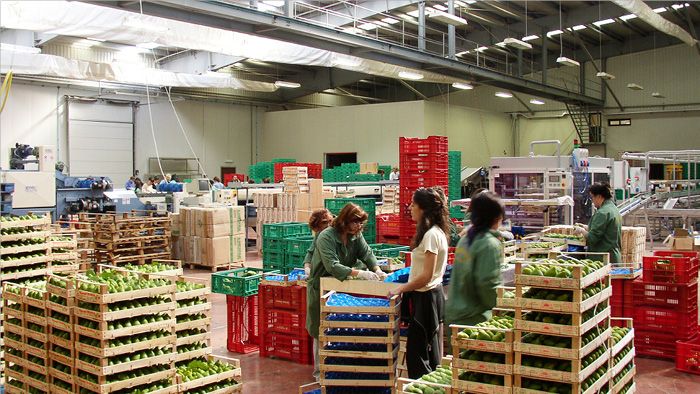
x=604, y=75
x=148, y=45
x=554, y=33
x=463, y=86
x=390, y=21
x=634, y=86
x=628, y=17
x=367, y=26
x=410, y=75
x=530, y=38
x=660, y=10
x=563, y=60
x=536, y=102
x=504, y=95
x=515, y=43
x=604, y=22
x=287, y=84
x=578, y=27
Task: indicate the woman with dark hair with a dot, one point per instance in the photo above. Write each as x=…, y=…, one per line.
x=604, y=232
x=338, y=249
x=320, y=220
x=477, y=267
x=423, y=291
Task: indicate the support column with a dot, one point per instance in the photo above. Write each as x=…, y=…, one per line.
x=520, y=62
x=421, y=26
x=544, y=55
x=289, y=8
x=582, y=78
x=451, y=29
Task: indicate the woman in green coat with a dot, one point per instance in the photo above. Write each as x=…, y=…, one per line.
x=320, y=220
x=477, y=268
x=338, y=249
x=604, y=233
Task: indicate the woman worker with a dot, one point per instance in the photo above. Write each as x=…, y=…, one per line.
x=477, y=267
x=320, y=220
x=338, y=248
x=423, y=291
x=604, y=233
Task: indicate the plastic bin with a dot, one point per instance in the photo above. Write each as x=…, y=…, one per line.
x=285, y=230
x=688, y=356
x=670, y=267
x=236, y=282
x=242, y=324
x=681, y=324
x=678, y=297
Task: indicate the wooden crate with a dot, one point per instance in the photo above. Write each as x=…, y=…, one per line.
x=234, y=374
x=578, y=349
x=578, y=280
x=102, y=387
x=476, y=387
x=577, y=375
x=577, y=305
x=509, y=251
x=629, y=376
x=577, y=328
x=595, y=388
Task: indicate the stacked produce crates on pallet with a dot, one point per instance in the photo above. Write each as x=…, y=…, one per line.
x=666, y=302
x=622, y=367
x=64, y=252
x=388, y=228
x=125, y=327
x=423, y=163
x=358, y=337
x=438, y=381
x=562, y=324
x=25, y=252
x=313, y=170
x=296, y=179
x=61, y=336
x=82, y=224
x=283, y=318
x=193, y=315
x=265, y=170
x=212, y=236
x=6, y=190
x=455, y=182
x=127, y=238
x=274, y=242
x=341, y=173
x=209, y=375
x=369, y=205
x=482, y=360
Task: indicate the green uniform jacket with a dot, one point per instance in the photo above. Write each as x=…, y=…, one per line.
x=605, y=231
x=475, y=275
x=332, y=258
x=310, y=251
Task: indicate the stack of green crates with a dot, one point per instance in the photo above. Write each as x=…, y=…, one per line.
x=295, y=249
x=369, y=205
x=265, y=169
x=455, y=182
x=388, y=250
x=274, y=235
x=365, y=178
x=387, y=171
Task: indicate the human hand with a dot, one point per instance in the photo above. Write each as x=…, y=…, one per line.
x=307, y=270
x=580, y=231
x=366, y=275
x=381, y=274
x=397, y=291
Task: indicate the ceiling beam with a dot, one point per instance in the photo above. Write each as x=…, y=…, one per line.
x=344, y=14
x=318, y=80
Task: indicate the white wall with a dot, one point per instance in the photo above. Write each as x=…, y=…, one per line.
x=218, y=132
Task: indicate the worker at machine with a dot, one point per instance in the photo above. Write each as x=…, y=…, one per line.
x=604, y=232
x=149, y=187
x=338, y=249
x=320, y=220
x=477, y=267
x=423, y=291
x=394, y=174
x=130, y=184
x=216, y=184
x=138, y=185
x=167, y=179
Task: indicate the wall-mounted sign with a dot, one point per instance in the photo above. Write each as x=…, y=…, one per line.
x=619, y=122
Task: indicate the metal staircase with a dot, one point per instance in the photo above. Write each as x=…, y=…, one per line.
x=588, y=133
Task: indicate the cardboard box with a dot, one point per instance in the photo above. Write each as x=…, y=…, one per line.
x=316, y=186
x=191, y=249
x=220, y=215
x=223, y=250
x=175, y=224
x=176, y=247
x=681, y=240
x=303, y=215
x=220, y=230
x=369, y=168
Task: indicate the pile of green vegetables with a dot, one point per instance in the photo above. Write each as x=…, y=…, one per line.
x=441, y=375
x=22, y=256
x=618, y=333
x=561, y=268
x=198, y=369
x=565, y=236
x=622, y=373
x=495, y=380
x=118, y=282
x=622, y=354
x=561, y=295
x=151, y=268
x=561, y=318
x=188, y=286
x=487, y=357
x=502, y=322
x=30, y=216
x=24, y=242
x=560, y=342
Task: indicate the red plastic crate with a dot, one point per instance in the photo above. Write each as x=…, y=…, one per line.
x=664, y=268
x=432, y=144
x=291, y=298
x=283, y=322
x=242, y=324
x=654, y=344
x=229, y=178
x=288, y=347
x=682, y=324
x=679, y=297
x=314, y=170
x=677, y=253
x=388, y=225
x=688, y=356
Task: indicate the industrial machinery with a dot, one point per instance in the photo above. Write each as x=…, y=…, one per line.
x=32, y=172
x=80, y=194
x=542, y=183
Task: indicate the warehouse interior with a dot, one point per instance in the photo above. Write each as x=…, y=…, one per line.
x=189, y=143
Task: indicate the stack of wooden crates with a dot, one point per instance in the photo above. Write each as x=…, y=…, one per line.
x=127, y=238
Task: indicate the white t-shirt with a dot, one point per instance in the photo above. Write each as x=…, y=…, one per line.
x=434, y=241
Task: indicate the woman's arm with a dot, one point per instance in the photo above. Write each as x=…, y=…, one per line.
x=423, y=278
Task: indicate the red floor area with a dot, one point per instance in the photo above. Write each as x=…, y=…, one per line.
x=269, y=376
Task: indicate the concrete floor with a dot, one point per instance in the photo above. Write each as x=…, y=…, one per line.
x=269, y=376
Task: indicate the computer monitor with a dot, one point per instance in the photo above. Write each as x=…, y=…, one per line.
x=203, y=185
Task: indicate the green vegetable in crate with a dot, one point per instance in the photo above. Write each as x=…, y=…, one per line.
x=483, y=334
x=618, y=333
x=197, y=369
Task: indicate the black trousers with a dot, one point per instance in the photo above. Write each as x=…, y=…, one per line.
x=425, y=310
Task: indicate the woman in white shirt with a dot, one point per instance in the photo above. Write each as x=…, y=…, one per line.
x=424, y=287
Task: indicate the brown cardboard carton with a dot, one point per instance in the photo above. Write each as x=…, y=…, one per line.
x=316, y=186
x=303, y=215
x=223, y=250
x=220, y=230
x=369, y=168
x=175, y=224
x=221, y=215
x=191, y=249
x=681, y=240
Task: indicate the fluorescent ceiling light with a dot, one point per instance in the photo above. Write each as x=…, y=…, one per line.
x=504, y=95
x=446, y=18
x=390, y=21
x=462, y=53
x=463, y=86
x=18, y=48
x=470, y=1
x=410, y=75
x=604, y=22
x=565, y=61
x=481, y=49
x=679, y=6
x=536, y=101
x=428, y=12
x=274, y=3
x=95, y=39
x=460, y=3
x=657, y=95
x=634, y=86
x=554, y=33
x=286, y=84
x=440, y=7
x=604, y=75
x=628, y=17
x=530, y=38
x=367, y=26
x=148, y=45
x=501, y=44
x=515, y=43
x=660, y=10
x=578, y=27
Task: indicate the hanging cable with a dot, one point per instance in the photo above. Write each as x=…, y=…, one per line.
x=5, y=89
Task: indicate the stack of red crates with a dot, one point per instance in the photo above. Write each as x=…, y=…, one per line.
x=621, y=303
x=283, y=323
x=666, y=302
x=242, y=324
x=315, y=170
x=423, y=162
x=388, y=228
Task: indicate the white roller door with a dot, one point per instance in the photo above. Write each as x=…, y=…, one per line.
x=101, y=140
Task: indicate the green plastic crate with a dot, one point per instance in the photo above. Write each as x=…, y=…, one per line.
x=273, y=267
x=456, y=213
x=234, y=282
x=295, y=260
x=298, y=244
x=285, y=230
x=388, y=250
x=276, y=258
x=284, y=160
x=335, y=205
x=272, y=245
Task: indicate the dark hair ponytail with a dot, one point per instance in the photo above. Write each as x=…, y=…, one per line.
x=600, y=189
x=435, y=213
x=485, y=208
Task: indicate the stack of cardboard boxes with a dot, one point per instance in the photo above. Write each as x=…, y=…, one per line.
x=279, y=207
x=390, y=200
x=212, y=236
x=369, y=168
x=296, y=179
